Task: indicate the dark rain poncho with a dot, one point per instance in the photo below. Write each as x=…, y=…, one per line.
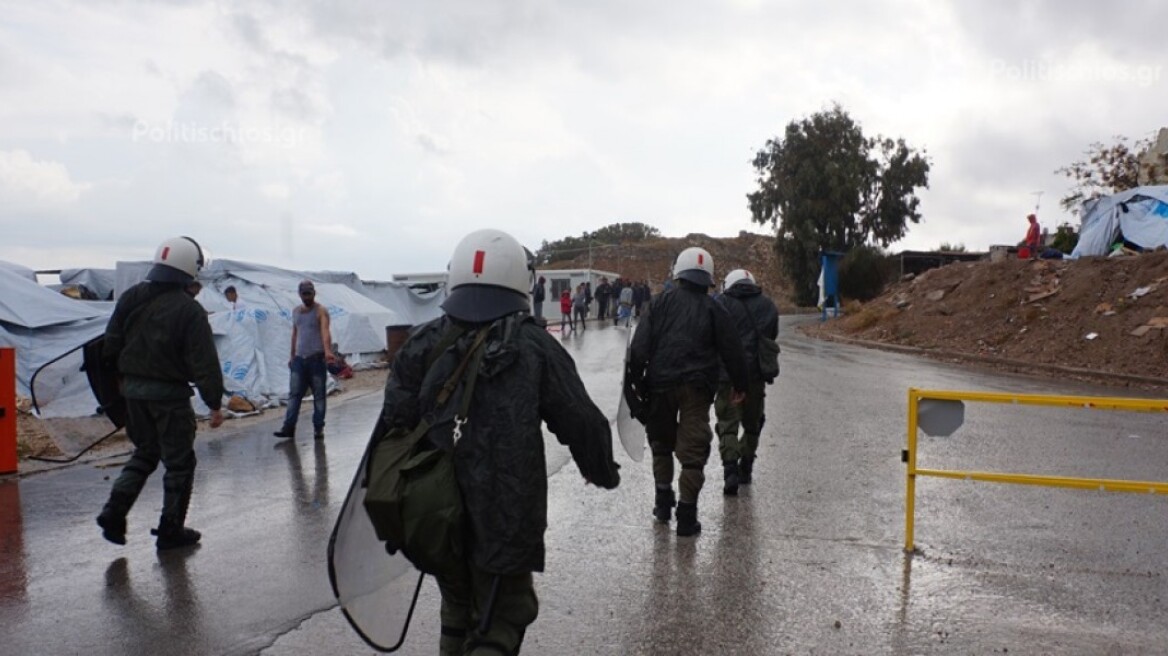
x=752, y=313
x=685, y=339
x=160, y=340
x=526, y=377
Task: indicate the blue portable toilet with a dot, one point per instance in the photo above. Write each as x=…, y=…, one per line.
x=829, y=282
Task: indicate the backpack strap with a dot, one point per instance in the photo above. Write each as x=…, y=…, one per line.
x=449, y=338
x=475, y=354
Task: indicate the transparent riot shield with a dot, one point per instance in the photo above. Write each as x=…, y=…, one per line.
x=377, y=591
x=76, y=403
x=631, y=432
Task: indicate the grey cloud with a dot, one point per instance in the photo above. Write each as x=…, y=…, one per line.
x=430, y=145
x=247, y=27
x=120, y=122
x=213, y=89
x=296, y=104
x=1130, y=30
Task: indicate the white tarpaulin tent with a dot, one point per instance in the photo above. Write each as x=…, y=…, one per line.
x=1140, y=214
x=99, y=281
x=22, y=271
x=254, y=340
x=43, y=325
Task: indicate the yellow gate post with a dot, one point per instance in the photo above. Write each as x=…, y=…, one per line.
x=910, y=460
x=7, y=411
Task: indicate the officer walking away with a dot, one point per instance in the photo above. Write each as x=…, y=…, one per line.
x=603, y=291
x=538, y=293
x=755, y=316
x=160, y=340
x=674, y=361
x=308, y=363
x=525, y=378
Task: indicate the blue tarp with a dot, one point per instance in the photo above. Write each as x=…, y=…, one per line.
x=1140, y=214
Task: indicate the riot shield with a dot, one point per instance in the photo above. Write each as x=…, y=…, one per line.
x=76, y=402
x=103, y=380
x=377, y=591
x=631, y=432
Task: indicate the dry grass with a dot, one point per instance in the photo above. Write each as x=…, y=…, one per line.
x=866, y=316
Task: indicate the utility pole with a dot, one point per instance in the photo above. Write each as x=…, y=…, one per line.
x=1037, y=200
x=589, y=257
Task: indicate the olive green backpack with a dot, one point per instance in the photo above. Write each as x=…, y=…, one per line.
x=412, y=496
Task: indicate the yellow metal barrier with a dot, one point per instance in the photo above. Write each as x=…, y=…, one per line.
x=915, y=396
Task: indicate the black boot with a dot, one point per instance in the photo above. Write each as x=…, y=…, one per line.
x=745, y=470
x=286, y=431
x=730, y=476
x=174, y=536
x=112, y=519
x=663, y=504
x=172, y=532
x=687, y=519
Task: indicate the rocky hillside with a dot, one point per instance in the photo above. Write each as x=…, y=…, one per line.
x=652, y=260
x=1108, y=315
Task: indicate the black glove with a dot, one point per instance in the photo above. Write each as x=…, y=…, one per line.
x=612, y=479
x=639, y=409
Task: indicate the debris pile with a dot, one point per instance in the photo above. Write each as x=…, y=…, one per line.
x=1108, y=315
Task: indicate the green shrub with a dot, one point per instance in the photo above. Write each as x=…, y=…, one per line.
x=863, y=273
x=1065, y=238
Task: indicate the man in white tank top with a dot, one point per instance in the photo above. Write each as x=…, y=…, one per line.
x=308, y=362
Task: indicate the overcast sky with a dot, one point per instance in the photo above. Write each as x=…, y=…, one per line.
x=370, y=135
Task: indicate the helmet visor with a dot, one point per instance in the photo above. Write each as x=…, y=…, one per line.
x=479, y=303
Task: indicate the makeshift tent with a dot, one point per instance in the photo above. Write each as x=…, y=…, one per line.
x=98, y=281
x=254, y=339
x=47, y=330
x=1140, y=214
x=412, y=306
x=43, y=325
x=22, y=271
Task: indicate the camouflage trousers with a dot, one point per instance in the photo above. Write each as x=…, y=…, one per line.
x=160, y=431
x=679, y=425
x=485, y=614
x=748, y=417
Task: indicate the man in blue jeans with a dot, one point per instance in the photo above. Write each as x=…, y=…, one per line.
x=311, y=354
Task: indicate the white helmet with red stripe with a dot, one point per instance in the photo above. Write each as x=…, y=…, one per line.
x=695, y=265
x=490, y=276
x=738, y=276
x=178, y=259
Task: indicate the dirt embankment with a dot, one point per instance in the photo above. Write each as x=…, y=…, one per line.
x=652, y=260
x=1108, y=315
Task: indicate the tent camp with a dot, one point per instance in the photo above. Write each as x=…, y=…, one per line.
x=1140, y=215
x=254, y=338
x=43, y=325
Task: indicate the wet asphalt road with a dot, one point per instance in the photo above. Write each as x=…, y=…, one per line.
x=808, y=560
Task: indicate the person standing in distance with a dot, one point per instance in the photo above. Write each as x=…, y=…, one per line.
x=538, y=294
x=159, y=338
x=755, y=316
x=525, y=378
x=232, y=297
x=308, y=363
x=1033, y=236
x=680, y=345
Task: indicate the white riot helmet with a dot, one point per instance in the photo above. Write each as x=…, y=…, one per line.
x=490, y=276
x=738, y=276
x=695, y=265
x=178, y=260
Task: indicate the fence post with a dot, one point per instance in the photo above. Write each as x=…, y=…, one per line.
x=8, y=459
x=910, y=479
